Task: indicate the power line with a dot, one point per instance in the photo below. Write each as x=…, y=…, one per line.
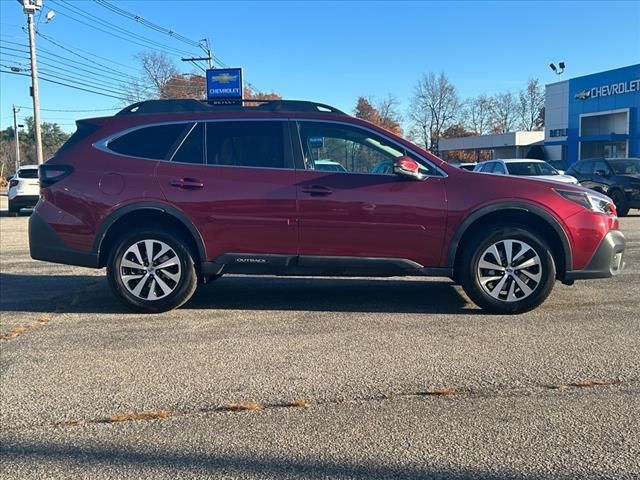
x=102, y=67
x=71, y=111
x=147, y=23
x=73, y=12
x=75, y=87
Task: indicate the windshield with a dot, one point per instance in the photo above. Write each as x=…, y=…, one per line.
x=531, y=168
x=628, y=166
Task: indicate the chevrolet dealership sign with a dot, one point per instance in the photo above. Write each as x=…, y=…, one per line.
x=224, y=84
x=608, y=90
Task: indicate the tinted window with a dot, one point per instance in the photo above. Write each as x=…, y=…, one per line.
x=488, y=167
x=499, y=168
x=354, y=149
x=585, y=168
x=28, y=173
x=246, y=144
x=628, y=166
x=192, y=148
x=531, y=168
x=155, y=142
x=601, y=166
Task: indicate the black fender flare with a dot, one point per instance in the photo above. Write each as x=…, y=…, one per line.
x=501, y=206
x=117, y=214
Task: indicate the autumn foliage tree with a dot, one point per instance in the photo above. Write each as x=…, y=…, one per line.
x=384, y=114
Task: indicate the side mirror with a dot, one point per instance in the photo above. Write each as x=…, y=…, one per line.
x=560, y=172
x=602, y=173
x=407, y=167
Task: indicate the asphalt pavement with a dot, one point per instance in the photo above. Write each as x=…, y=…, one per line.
x=314, y=378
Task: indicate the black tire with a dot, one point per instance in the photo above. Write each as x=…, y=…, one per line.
x=620, y=201
x=507, y=299
x=13, y=208
x=182, y=289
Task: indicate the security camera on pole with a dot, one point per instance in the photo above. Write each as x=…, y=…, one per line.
x=30, y=7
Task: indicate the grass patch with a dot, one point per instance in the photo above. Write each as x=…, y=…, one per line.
x=133, y=416
x=300, y=403
x=240, y=406
x=439, y=391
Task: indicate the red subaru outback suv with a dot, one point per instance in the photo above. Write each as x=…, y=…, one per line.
x=167, y=194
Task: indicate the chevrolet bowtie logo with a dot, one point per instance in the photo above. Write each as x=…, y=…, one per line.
x=224, y=78
x=583, y=94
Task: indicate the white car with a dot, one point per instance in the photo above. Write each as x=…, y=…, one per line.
x=24, y=188
x=525, y=167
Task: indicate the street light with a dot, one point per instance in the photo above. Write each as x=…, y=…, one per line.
x=557, y=70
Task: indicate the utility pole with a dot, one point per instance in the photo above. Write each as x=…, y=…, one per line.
x=30, y=7
x=208, y=58
x=16, y=137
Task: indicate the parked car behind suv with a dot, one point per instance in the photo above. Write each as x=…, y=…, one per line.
x=24, y=190
x=166, y=194
x=619, y=178
x=525, y=168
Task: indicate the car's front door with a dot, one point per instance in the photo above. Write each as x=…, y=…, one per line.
x=357, y=213
x=235, y=181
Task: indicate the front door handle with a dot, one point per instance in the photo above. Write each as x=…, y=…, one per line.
x=187, y=183
x=317, y=190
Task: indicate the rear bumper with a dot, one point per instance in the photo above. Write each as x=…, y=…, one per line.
x=24, y=201
x=45, y=244
x=606, y=262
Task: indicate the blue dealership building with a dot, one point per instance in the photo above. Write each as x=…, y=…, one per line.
x=595, y=115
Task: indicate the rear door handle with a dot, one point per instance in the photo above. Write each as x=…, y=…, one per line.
x=317, y=190
x=187, y=183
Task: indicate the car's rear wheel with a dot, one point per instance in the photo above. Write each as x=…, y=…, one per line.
x=620, y=201
x=511, y=270
x=151, y=271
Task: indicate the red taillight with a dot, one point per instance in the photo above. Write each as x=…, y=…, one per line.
x=13, y=183
x=50, y=174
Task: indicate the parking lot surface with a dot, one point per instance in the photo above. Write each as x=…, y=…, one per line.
x=314, y=378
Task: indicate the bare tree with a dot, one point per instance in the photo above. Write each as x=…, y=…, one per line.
x=158, y=68
x=389, y=110
x=504, y=112
x=477, y=114
x=531, y=102
x=434, y=107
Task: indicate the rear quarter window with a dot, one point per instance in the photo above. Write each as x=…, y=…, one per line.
x=155, y=142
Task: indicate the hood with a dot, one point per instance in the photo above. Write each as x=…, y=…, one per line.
x=558, y=178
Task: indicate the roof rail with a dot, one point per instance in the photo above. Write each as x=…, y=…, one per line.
x=188, y=105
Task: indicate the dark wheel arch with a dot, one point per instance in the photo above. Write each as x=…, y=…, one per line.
x=176, y=216
x=524, y=210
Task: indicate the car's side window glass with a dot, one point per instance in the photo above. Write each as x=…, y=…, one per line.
x=155, y=142
x=345, y=149
x=499, y=168
x=488, y=168
x=601, y=166
x=192, y=148
x=246, y=144
x=584, y=168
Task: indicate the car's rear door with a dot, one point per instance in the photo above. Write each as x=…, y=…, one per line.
x=235, y=181
x=356, y=213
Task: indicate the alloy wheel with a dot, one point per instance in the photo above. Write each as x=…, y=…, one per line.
x=509, y=270
x=150, y=269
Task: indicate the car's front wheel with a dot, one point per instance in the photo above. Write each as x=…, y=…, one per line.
x=621, y=203
x=151, y=271
x=510, y=270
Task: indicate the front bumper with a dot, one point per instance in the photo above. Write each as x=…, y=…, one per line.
x=606, y=262
x=45, y=244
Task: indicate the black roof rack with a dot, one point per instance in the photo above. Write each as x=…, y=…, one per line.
x=190, y=105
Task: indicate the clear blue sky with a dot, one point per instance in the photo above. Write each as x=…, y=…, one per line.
x=336, y=51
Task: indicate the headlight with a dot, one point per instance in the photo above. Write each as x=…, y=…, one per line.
x=590, y=201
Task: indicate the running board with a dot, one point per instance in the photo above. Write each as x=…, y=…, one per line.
x=318, y=265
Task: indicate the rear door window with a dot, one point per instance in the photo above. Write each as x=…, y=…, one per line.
x=191, y=150
x=246, y=144
x=155, y=142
